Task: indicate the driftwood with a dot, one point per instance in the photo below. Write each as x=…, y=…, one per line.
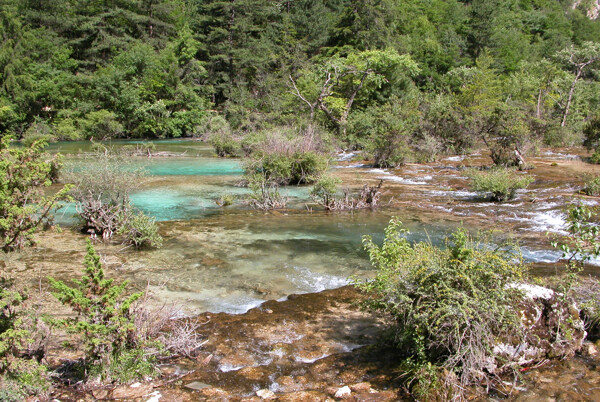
x=367, y=198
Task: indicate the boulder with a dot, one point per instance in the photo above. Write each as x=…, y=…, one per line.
x=551, y=326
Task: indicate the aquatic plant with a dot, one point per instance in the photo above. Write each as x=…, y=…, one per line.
x=102, y=193
x=497, y=184
x=265, y=194
x=225, y=200
x=140, y=230
x=24, y=174
x=288, y=157
x=325, y=190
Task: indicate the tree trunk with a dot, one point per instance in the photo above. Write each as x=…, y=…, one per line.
x=570, y=97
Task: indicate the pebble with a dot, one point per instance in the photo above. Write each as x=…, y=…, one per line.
x=197, y=385
x=590, y=350
x=266, y=394
x=343, y=392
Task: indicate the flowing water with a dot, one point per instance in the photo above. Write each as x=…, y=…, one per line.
x=233, y=259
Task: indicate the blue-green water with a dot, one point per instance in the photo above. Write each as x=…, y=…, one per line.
x=233, y=258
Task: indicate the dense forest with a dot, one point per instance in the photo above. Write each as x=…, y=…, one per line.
x=421, y=77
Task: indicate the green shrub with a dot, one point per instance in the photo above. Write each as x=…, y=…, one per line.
x=591, y=185
x=225, y=200
x=450, y=305
x=24, y=174
x=497, y=184
x=225, y=145
x=324, y=191
x=282, y=168
x=140, y=230
x=20, y=374
x=591, y=133
x=38, y=131
x=102, y=125
x=264, y=194
x=113, y=348
x=68, y=129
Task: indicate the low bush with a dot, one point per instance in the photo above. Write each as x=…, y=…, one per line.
x=325, y=193
x=450, y=306
x=140, y=230
x=287, y=157
x=497, y=184
x=225, y=200
x=591, y=133
x=265, y=194
x=297, y=168
x=591, y=185
x=102, y=192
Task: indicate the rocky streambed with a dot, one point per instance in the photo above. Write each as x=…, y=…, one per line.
x=321, y=347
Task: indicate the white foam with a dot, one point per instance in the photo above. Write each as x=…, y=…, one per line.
x=346, y=156
x=456, y=194
x=558, y=155
x=457, y=158
x=310, y=281
x=227, y=367
x=548, y=221
x=307, y=360
x=547, y=256
x=355, y=165
x=403, y=180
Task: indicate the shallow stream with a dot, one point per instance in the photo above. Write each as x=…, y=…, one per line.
x=232, y=259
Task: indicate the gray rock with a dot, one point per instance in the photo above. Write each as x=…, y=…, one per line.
x=197, y=385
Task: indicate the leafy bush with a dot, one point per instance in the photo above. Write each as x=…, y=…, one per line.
x=102, y=124
x=113, y=348
x=591, y=186
x=386, y=131
x=591, y=132
x=102, y=194
x=20, y=374
x=102, y=191
x=225, y=200
x=217, y=132
x=324, y=191
x=297, y=168
x=497, y=184
x=140, y=230
x=265, y=194
x=38, y=131
x=225, y=145
x=68, y=129
x=450, y=305
x=286, y=156
x=24, y=173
